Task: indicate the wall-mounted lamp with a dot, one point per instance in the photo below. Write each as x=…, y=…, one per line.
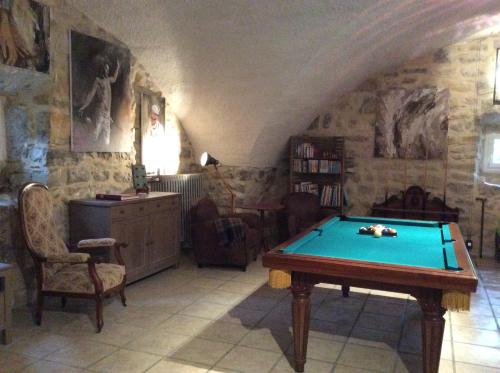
x=207, y=160
x=496, y=87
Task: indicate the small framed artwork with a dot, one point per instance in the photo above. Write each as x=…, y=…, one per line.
x=101, y=97
x=153, y=135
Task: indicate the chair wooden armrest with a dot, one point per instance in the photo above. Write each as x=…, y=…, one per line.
x=98, y=243
x=95, y=242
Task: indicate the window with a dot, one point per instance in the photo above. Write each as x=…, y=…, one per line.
x=491, y=157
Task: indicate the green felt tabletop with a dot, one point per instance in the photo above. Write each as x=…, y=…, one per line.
x=418, y=243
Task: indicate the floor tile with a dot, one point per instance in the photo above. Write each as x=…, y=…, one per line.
x=249, y=360
x=40, y=345
x=346, y=369
x=43, y=366
x=243, y=316
x=125, y=361
x=117, y=334
x=285, y=365
x=165, y=366
x=224, y=332
x=265, y=339
x=381, y=322
x=238, y=287
x=222, y=297
x=160, y=342
x=367, y=358
x=205, y=310
x=385, y=308
x=481, y=337
x=468, y=368
x=202, y=351
x=477, y=355
x=12, y=362
x=81, y=354
x=465, y=319
x=321, y=349
x=374, y=338
x=186, y=325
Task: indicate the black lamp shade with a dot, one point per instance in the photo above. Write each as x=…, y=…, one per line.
x=206, y=160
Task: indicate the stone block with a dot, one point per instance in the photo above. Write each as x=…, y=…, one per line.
x=78, y=174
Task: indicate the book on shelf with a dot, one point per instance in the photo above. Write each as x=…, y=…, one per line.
x=117, y=197
x=307, y=187
x=330, y=195
x=314, y=166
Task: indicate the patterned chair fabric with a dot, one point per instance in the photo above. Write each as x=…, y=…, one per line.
x=60, y=273
x=75, y=278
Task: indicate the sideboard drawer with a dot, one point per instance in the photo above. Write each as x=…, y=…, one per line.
x=163, y=204
x=128, y=211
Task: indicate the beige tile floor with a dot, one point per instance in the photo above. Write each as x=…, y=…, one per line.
x=223, y=320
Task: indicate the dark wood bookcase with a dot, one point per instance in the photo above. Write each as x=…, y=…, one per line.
x=317, y=165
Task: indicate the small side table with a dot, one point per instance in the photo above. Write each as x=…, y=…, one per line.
x=262, y=207
x=5, y=303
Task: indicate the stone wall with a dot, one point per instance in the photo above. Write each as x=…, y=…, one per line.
x=39, y=140
x=466, y=69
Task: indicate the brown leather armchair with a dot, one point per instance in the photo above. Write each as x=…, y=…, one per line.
x=206, y=243
x=301, y=211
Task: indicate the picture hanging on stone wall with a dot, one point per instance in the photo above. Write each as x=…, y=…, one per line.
x=411, y=124
x=154, y=143
x=24, y=34
x=100, y=96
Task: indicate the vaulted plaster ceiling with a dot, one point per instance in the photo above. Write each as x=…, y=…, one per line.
x=244, y=75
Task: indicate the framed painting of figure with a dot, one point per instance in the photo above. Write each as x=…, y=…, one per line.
x=160, y=136
x=411, y=124
x=24, y=31
x=153, y=141
x=101, y=97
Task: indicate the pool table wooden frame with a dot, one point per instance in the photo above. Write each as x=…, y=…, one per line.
x=425, y=284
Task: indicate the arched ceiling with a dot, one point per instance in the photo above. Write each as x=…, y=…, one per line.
x=245, y=75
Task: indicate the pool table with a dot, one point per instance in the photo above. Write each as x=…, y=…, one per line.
x=426, y=259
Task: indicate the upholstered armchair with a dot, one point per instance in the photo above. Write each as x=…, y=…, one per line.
x=208, y=248
x=62, y=273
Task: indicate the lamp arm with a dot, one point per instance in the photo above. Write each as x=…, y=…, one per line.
x=227, y=186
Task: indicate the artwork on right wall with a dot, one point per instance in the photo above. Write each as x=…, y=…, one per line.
x=412, y=124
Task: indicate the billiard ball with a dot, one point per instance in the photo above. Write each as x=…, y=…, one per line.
x=378, y=233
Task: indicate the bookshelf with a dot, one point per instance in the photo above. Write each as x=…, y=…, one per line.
x=317, y=166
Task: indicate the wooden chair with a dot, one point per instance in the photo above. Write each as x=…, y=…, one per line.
x=60, y=272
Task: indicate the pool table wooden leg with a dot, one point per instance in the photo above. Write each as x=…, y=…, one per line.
x=432, y=328
x=301, y=311
x=345, y=291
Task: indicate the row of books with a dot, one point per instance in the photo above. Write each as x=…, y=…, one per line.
x=308, y=150
x=330, y=194
x=307, y=187
x=322, y=166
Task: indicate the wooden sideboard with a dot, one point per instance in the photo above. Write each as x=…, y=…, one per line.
x=5, y=303
x=150, y=226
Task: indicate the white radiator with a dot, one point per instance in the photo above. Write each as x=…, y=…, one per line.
x=191, y=188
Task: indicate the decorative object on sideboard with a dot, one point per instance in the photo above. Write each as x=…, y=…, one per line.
x=207, y=160
x=140, y=179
